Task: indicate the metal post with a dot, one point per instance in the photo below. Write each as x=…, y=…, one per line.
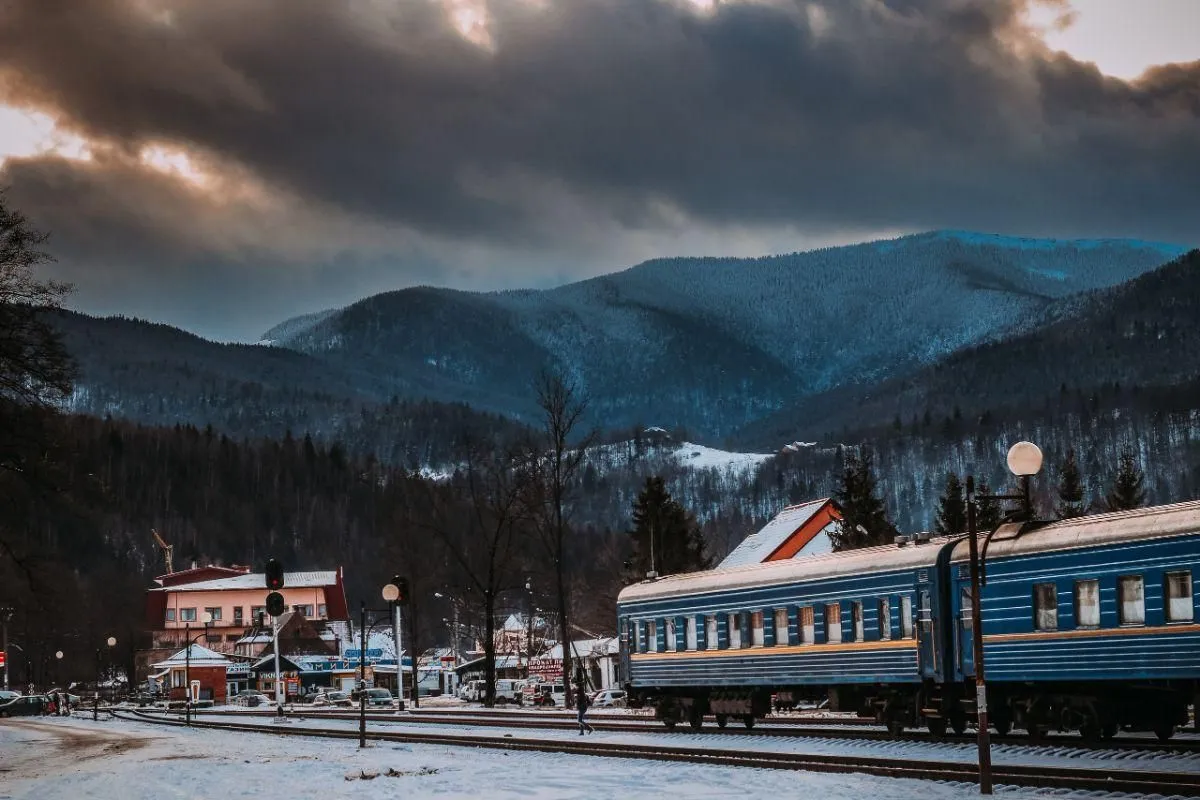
x=412, y=637
x=396, y=634
x=187, y=673
x=362, y=676
x=981, y=709
x=529, y=635
x=275, y=647
x=96, y=697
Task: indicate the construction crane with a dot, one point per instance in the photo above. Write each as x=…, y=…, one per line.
x=168, y=550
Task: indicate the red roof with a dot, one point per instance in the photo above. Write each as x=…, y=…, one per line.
x=195, y=574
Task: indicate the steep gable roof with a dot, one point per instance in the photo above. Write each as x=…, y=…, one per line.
x=785, y=535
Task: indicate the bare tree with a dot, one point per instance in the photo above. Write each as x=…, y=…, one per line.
x=558, y=466
x=483, y=520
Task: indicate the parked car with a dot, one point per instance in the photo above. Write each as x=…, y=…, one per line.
x=508, y=691
x=380, y=697
x=250, y=698
x=472, y=691
x=332, y=699
x=609, y=698
x=24, y=706
x=8, y=694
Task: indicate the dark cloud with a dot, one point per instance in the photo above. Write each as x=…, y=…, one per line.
x=380, y=136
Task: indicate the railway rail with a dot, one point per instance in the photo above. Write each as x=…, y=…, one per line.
x=1122, y=780
x=772, y=728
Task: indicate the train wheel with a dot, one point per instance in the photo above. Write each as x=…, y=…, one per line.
x=1091, y=732
x=696, y=720
x=936, y=725
x=895, y=727
x=748, y=721
x=959, y=723
x=1164, y=731
x=1003, y=726
x=1109, y=730
x=670, y=723
x=1037, y=733
x=722, y=720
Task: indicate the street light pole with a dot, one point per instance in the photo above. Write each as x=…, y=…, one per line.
x=529, y=635
x=6, y=615
x=1024, y=460
x=362, y=675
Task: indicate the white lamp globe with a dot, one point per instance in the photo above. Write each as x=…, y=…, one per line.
x=1024, y=459
x=112, y=640
x=391, y=592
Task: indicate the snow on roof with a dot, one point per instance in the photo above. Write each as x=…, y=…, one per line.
x=756, y=547
x=700, y=457
x=257, y=580
x=1113, y=528
x=201, y=657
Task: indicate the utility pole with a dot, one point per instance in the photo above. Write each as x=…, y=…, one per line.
x=362, y=675
x=529, y=636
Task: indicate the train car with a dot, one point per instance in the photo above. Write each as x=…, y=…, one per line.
x=1089, y=624
x=864, y=626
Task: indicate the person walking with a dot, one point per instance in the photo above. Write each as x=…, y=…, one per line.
x=582, y=703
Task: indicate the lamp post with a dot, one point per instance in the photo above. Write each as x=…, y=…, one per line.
x=6, y=615
x=529, y=633
x=187, y=663
x=1024, y=460
x=110, y=642
x=391, y=593
x=362, y=663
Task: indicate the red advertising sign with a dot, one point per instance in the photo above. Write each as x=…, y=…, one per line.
x=3, y=656
x=546, y=668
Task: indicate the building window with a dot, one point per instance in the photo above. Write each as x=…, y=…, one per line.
x=652, y=636
x=177, y=679
x=170, y=615
x=214, y=612
x=808, y=627
x=757, y=634
x=833, y=623
x=257, y=613
x=856, y=615
x=669, y=639
x=782, y=635
x=1131, y=600
x=187, y=615
x=710, y=633
x=1087, y=604
x=1045, y=607
x=735, y=631
x=906, y=619
x=1178, y=591
x=322, y=611
x=237, y=615
x=689, y=633
x=885, y=619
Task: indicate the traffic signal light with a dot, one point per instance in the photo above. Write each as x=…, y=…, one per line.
x=275, y=604
x=274, y=572
x=402, y=585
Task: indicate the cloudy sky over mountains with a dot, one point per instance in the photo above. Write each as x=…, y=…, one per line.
x=225, y=164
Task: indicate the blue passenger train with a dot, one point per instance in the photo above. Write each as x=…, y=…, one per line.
x=1089, y=625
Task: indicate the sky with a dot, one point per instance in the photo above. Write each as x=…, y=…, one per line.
x=222, y=166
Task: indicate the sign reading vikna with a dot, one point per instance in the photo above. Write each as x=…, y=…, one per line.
x=371, y=653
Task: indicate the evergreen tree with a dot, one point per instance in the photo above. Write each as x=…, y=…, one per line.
x=1128, y=490
x=952, y=508
x=1070, y=489
x=988, y=514
x=864, y=520
x=666, y=538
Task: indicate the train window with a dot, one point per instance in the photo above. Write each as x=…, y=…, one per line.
x=885, y=619
x=735, y=631
x=1177, y=586
x=906, y=619
x=669, y=638
x=808, y=628
x=1087, y=604
x=757, y=631
x=856, y=614
x=1131, y=600
x=782, y=634
x=652, y=636
x=1045, y=607
x=711, y=639
x=833, y=623
x=689, y=634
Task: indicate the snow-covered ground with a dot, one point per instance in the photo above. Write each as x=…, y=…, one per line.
x=65, y=759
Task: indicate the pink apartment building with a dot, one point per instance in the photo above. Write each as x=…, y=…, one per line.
x=176, y=609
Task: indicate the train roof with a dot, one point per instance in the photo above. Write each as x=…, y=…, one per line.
x=1138, y=524
x=884, y=558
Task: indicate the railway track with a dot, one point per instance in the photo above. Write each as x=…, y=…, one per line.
x=1122, y=780
x=772, y=728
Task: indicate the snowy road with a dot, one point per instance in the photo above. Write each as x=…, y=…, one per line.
x=65, y=759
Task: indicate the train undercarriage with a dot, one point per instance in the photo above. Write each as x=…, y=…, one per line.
x=1096, y=711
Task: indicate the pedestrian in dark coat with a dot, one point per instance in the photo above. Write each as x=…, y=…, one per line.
x=582, y=703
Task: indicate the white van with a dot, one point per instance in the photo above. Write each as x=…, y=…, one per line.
x=508, y=691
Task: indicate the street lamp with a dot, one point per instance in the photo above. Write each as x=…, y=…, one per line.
x=529, y=634
x=391, y=593
x=6, y=615
x=1024, y=460
x=110, y=642
x=187, y=663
